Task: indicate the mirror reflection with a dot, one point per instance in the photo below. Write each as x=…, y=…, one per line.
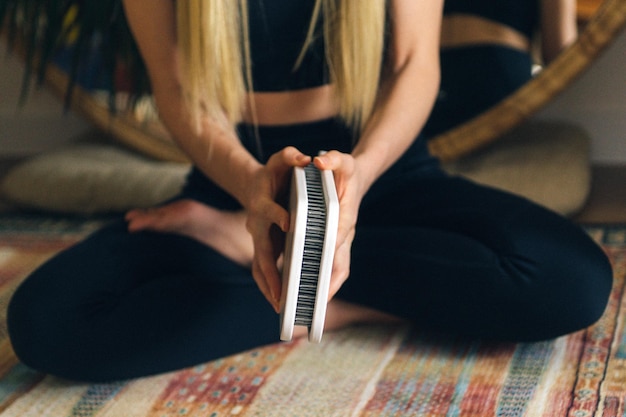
x=490, y=48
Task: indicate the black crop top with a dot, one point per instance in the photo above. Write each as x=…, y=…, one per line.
x=278, y=30
x=522, y=15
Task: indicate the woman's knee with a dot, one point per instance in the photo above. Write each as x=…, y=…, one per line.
x=589, y=288
x=30, y=328
x=46, y=322
x=569, y=295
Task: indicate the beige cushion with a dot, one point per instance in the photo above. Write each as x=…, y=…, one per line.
x=91, y=178
x=547, y=162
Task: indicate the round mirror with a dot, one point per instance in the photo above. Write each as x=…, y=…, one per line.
x=601, y=23
x=141, y=130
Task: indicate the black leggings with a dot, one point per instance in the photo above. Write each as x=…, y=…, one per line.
x=446, y=254
x=490, y=73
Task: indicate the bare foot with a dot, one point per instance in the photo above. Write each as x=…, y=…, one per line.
x=223, y=231
x=340, y=314
x=226, y=232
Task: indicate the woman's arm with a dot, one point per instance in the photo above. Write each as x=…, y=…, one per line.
x=407, y=95
x=215, y=148
x=409, y=88
x=558, y=27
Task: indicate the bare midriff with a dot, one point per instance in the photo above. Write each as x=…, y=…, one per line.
x=292, y=107
x=318, y=103
x=463, y=30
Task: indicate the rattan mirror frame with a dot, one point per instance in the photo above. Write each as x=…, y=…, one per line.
x=489, y=126
x=152, y=140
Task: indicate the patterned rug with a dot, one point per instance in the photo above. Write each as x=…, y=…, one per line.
x=362, y=371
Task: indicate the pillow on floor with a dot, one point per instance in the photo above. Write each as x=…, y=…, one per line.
x=91, y=178
x=547, y=162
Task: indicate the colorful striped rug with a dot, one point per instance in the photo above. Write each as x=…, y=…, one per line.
x=362, y=371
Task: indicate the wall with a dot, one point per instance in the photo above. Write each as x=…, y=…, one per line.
x=41, y=124
x=597, y=102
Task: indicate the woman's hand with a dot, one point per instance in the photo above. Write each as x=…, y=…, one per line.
x=350, y=191
x=268, y=219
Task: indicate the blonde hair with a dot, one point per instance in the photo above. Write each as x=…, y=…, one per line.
x=216, y=67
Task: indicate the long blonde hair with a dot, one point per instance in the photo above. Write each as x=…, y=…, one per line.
x=216, y=67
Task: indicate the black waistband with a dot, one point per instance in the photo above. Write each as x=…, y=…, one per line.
x=309, y=138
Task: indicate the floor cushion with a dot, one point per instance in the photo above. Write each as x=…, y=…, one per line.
x=546, y=162
x=91, y=178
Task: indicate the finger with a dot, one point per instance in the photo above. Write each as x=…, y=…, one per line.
x=341, y=263
x=266, y=253
x=279, y=217
x=274, y=285
x=345, y=229
x=283, y=161
x=292, y=156
x=269, y=269
x=340, y=271
x=330, y=160
x=260, y=281
x=267, y=272
x=270, y=213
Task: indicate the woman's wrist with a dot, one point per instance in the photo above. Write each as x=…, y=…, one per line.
x=369, y=166
x=244, y=172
